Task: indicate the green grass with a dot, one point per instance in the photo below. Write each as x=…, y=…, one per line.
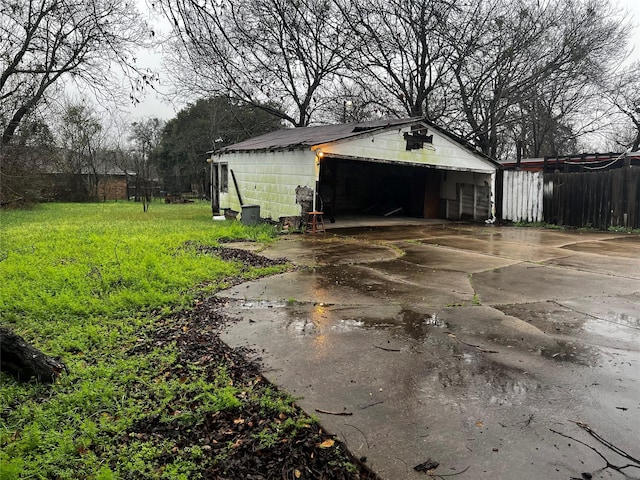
x=549, y=226
x=624, y=230
x=85, y=283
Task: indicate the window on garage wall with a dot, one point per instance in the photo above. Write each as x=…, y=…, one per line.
x=224, y=177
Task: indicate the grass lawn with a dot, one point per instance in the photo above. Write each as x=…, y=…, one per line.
x=89, y=284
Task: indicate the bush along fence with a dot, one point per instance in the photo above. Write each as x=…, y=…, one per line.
x=598, y=199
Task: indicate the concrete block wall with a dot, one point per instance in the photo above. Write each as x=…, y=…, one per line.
x=268, y=179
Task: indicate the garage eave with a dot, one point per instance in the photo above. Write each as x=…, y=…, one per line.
x=404, y=163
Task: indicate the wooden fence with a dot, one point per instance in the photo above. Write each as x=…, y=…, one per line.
x=609, y=198
x=602, y=199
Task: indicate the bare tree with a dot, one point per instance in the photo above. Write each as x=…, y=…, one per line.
x=403, y=52
x=278, y=55
x=82, y=141
x=43, y=42
x=509, y=54
x=508, y=75
x=22, y=163
x=624, y=93
x=145, y=137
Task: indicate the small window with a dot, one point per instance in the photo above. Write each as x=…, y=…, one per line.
x=224, y=177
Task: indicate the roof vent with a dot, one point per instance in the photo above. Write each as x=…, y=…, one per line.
x=416, y=140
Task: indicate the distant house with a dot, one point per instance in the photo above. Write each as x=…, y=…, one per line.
x=114, y=185
x=404, y=166
x=111, y=183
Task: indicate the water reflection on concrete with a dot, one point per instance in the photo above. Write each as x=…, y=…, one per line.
x=478, y=379
x=605, y=321
x=467, y=343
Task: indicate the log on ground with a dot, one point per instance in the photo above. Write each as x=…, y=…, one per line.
x=24, y=362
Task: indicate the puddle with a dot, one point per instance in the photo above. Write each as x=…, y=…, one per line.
x=301, y=327
x=614, y=247
x=622, y=327
x=548, y=317
x=348, y=253
x=435, y=321
x=557, y=319
x=623, y=319
x=254, y=304
x=476, y=378
x=574, y=353
x=391, y=233
x=418, y=325
x=347, y=326
x=550, y=348
x=307, y=319
x=394, y=283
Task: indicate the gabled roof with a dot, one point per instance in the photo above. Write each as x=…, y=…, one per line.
x=310, y=136
x=317, y=135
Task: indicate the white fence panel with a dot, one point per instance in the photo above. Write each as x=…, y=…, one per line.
x=522, y=198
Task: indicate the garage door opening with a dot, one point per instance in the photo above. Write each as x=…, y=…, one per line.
x=349, y=187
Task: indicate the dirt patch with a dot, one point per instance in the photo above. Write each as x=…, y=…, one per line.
x=232, y=440
x=249, y=259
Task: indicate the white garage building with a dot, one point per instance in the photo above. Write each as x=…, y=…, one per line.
x=406, y=167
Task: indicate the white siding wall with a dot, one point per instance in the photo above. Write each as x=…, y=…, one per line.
x=268, y=179
x=522, y=197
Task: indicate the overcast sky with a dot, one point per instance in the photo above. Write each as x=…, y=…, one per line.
x=153, y=105
x=633, y=7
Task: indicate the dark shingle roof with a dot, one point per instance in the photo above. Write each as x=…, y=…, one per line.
x=309, y=136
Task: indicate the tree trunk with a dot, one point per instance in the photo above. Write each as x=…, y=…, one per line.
x=23, y=361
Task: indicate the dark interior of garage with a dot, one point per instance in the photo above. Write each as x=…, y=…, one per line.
x=374, y=188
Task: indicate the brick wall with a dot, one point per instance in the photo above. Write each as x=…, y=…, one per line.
x=112, y=188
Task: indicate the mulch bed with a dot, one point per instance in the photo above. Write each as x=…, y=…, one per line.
x=301, y=454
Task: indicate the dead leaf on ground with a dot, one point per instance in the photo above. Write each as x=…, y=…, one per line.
x=327, y=443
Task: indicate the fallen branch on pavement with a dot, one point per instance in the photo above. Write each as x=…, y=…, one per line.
x=361, y=432
x=332, y=413
x=388, y=349
x=617, y=468
x=443, y=475
x=607, y=443
x=478, y=347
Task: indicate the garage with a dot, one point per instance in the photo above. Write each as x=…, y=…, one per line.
x=401, y=167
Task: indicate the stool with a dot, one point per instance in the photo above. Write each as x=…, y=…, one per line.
x=315, y=222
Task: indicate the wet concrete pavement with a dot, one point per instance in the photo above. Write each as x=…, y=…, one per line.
x=477, y=347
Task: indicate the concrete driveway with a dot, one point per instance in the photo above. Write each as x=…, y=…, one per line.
x=497, y=352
